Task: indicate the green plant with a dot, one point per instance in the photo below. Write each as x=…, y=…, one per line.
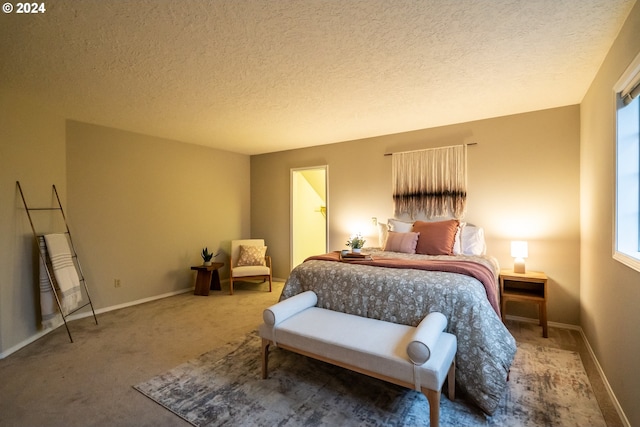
x=206, y=255
x=356, y=241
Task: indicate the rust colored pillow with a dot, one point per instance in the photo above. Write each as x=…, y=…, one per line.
x=436, y=238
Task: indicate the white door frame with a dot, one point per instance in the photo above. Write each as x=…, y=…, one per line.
x=293, y=171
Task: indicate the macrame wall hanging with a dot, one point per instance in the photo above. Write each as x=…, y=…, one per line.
x=431, y=181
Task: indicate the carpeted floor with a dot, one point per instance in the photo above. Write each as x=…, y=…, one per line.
x=52, y=382
x=547, y=386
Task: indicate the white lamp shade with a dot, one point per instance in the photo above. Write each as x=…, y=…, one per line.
x=519, y=249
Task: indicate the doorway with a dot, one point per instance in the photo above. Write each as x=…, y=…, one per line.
x=309, y=215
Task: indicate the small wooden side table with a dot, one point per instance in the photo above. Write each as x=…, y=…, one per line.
x=208, y=278
x=527, y=287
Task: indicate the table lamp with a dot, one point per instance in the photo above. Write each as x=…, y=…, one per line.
x=519, y=251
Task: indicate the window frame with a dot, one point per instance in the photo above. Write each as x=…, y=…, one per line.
x=630, y=74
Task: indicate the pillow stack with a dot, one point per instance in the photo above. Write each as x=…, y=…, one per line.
x=449, y=237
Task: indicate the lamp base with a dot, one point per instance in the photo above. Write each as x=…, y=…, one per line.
x=518, y=266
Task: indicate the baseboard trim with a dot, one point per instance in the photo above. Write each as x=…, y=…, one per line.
x=614, y=399
x=128, y=304
x=28, y=341
x=554, y=324
x=84, y=314
x=273, y=279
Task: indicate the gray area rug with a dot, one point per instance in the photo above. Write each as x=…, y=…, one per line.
x=547, y=387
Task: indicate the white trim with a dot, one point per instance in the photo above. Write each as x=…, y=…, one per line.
x=607, y=386
x=626, y=260
x=616, y=403
x=82, y=315
x=628, y=79
x=536, y=321
x=326, y=203
x=28, y=341
x=129, y=304
x=273, y=279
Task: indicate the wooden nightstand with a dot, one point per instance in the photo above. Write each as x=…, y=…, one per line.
x=527, y=287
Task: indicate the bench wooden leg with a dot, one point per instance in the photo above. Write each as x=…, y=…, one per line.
x=451, y=380
x=265, y=358
x=434, y=407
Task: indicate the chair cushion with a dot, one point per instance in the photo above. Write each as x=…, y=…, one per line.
x=251, y=270
x=251, y=255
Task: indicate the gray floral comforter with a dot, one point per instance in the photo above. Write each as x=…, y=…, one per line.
x=485, y=347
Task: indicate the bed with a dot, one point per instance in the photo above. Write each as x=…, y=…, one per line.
x=403, y=287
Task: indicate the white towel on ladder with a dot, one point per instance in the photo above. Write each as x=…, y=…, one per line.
x=64, y=271
x=48, y=307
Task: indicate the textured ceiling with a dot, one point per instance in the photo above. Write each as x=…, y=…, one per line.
x=256, y=76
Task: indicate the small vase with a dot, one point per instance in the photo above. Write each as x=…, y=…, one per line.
x=207, y=263
x=356, y=250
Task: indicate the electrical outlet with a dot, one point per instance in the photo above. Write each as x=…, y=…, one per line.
x=116, y=283
x=374, y=221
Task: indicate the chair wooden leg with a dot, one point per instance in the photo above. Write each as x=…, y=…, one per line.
x=230, y=285
x=265, y=358
x=269, y=283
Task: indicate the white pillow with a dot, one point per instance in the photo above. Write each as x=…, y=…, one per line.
x=383, y=232
x=472, y=240
x=399, y=226
x=457, y=246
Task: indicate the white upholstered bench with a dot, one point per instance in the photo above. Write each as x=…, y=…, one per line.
x=414, y=357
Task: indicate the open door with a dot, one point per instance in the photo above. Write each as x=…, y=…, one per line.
x=309, y=219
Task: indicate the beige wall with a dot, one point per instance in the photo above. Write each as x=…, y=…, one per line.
x=523, y=184
x=142, y=209
x=32, y=151
x=610, y=291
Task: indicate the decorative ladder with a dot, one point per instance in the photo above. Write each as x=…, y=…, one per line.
x=48, y=266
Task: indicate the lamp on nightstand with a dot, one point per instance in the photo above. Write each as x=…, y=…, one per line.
x=519, y=251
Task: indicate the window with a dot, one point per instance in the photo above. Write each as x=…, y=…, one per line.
x=627, y=205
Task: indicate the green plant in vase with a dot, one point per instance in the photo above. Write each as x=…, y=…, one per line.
x=206, y=256
x=356, y=242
